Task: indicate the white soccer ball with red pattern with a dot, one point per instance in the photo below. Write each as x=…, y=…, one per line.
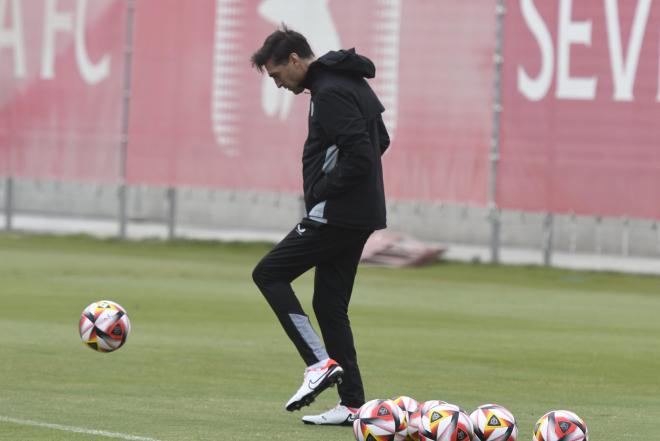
x=426, y=405
x=380, y=420
x=445, y=422
x=560, y=425
x=104, y=326
x=411, y=408
x=493, y=422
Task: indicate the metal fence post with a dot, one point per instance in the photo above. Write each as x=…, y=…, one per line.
x=9, y=202
x=598, y=239
x=548, y=222
x=572, y=239
x=128, y=63
x=122, y=214
x=625, y=237
x=494, y=212
x=171, y=213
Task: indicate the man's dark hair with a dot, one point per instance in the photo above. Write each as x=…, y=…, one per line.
x=278, y=46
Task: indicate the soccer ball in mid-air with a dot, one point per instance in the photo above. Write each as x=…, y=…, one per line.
x=445, y=422
x=493, y=422
x=411, y=408
x=104, y=326
x=560, y=425
x=380, y=420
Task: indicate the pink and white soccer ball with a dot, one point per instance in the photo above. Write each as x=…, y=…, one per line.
x=104, y=326
x=445, y=422
x=493, y=422
x=560, y=425
x=412, y=410
x=380, y=420
x=426, y=405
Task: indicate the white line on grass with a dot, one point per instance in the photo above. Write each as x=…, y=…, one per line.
x=118, y=435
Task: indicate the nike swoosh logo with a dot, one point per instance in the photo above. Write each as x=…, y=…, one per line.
x=315, y=382
x=352, y=417
x=300, y=230
x=321, y=378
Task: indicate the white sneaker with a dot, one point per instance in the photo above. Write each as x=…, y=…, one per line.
x=316, y=380
x=337, y=416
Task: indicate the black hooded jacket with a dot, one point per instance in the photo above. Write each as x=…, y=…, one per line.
x=342, y=171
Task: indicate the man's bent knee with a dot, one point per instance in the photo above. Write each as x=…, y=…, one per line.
x=259, y=275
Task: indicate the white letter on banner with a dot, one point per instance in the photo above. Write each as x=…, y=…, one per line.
x=536, y=88
x=623, y=72
x=91, y=73
x=13, y=37
x=657, y=98
x=572, y=32
x=53, y=21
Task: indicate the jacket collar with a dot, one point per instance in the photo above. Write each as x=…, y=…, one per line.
x=312, y=75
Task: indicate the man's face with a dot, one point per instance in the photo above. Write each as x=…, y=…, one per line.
x=288, y=75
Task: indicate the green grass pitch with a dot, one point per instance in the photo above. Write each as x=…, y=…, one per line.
x=207, y=359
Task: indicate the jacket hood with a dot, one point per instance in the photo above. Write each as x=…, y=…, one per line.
x=343, y=61
x=348, y=61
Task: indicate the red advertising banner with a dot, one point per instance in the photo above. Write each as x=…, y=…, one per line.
x=202, y=116
x=581, y=108
x=61, y=68
x=581, y=96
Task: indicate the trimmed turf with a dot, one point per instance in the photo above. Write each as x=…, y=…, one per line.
x=207, y=359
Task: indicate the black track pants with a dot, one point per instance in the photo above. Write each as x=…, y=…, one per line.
x=335, y=253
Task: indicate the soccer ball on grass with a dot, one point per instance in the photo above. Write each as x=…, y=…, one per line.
x=560, y=425
x=411, y=408
x=493, y=422
x=445, y=422
x=104, y=326
x=380, y=420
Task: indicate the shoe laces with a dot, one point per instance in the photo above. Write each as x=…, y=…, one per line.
x=340, y=409
x=317, y=369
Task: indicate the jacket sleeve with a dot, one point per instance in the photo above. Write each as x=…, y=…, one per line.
x=343, y=123
x=383, y=136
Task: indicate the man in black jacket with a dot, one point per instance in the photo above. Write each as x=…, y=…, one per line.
x=345, y=203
